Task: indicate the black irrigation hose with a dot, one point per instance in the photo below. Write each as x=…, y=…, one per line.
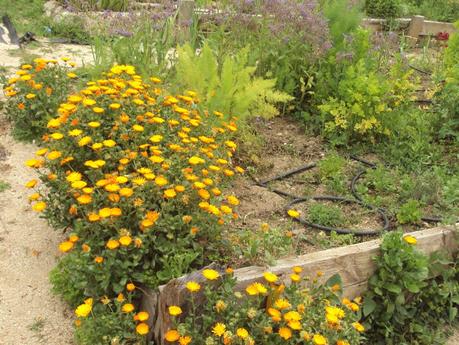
x=420, y=70
x=358, y=197
x=339, y=230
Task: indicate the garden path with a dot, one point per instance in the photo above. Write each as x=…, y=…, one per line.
x=29, y=313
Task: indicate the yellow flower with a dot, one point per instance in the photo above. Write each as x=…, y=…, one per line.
x=184, y=340
x=75, y=132
x=39, y=206
x=193, y=286
x=138, y=128
x=79, y=184
x=170, y=193
x=410, y=239
x=131, y=287
x=156, y=138
x=113, y=244
x=293, y=213
x=31, y=96
x=292, y=316
x=285, y=333
x=358, y=326
x=84, y=199
x=73, y=176
x=65, y=246
x=172, y=335
x=210, y=274
x=125, y=240
x=195, y=160
x=142, y=316
x=161, y=181
x=242, y=333
x=83, y=310
x=54, y=155
x=219, y=329
x=319, y=339
x=71, y=75
x=295, y=325
x=295, y=278
x=175, y=310
x=109, y=143
x=89, y=102
x=84, y=141
x=233, y=200
x=31, y=183
x=98, y=110
x=114, y=106
x=94, y=124
x=142, y=328
x=270, y=277
x=127, y=308
x=282, y=303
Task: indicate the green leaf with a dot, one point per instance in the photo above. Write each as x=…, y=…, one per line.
x=369, y=306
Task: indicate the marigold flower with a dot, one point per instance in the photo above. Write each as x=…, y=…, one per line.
x=127, y=308
x=319, y=339
x=410, y=239
x=358, y=326
x=99, y=259
x=142, y=328
x=112, y=244
x=184, y=340
x=65, y=246
x=39, y=206
x=193, y=286
x=83, y=310
x=293, y=213
x=285, y=333
x=172, y=335
x=142, y=316
x=31, y=183
x=125, y=240
x=131, y=287
x=242, y=333
x=175, y=310
x=270, y=277
x=210, y=274
x=170, y=193
x=219, y=329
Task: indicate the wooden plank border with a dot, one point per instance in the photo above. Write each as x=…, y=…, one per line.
x=354, y=263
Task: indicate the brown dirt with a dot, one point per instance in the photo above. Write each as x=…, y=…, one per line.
x=29, y=313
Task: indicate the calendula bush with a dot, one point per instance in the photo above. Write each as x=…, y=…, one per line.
x=137, y=176
x=266, y=312
x=35, y=93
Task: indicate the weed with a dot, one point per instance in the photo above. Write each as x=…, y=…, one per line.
x=326, y=215
x=409, y=212
x=4, y=186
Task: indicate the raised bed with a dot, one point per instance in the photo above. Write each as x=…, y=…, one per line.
x=353, y=263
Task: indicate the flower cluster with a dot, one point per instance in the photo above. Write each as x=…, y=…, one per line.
x=34, y=94
x=138, y=177
x=267, y=312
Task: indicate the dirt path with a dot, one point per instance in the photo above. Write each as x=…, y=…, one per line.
x=29, y=313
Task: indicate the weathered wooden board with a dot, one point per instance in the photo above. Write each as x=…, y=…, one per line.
x=353, y=263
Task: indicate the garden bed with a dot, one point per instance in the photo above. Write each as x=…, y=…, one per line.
x=354, y=263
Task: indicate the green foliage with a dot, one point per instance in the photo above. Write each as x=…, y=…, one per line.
x=383, y=8
x=260, y=246
x=67, y=282
x=326, y=215
x=404, y=305
x=97, y=5
x=108, y=324
x=261, y=313
x=409, y=212
x=331, y=173
x=230, y=88
x=148, y=49
x=34, y=96
x=368, y=105
x=72, y=30
x=441, y=10
x=4, y=186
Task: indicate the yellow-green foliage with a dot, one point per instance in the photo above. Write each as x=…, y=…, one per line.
x=230, y=87
x=368, y=104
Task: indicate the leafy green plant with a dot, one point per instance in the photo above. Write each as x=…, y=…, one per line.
x=72, y=30
x=260, y=246
x=304, y=312
x=404, y=304
x=332, y=173
x=368, y=105
x=34, y=95
x=409, y=212
x=388, y=9
x=326, y=215
x=231, y=87
x=4, y=186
